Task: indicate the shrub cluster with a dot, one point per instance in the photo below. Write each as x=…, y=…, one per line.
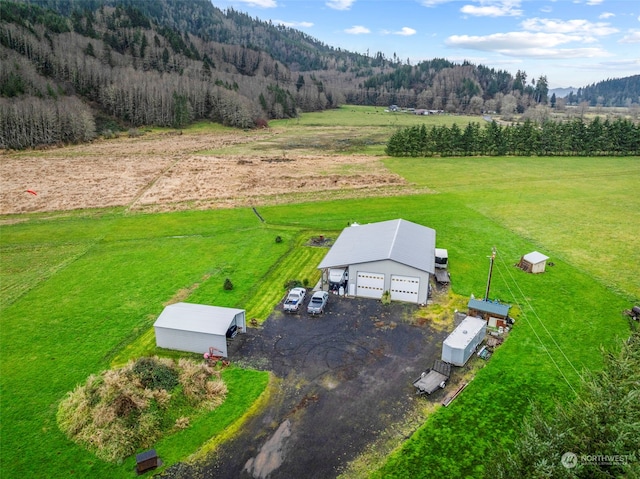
x=119, y=411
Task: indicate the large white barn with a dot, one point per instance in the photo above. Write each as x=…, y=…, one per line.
x=197, y=327
x=396, y=256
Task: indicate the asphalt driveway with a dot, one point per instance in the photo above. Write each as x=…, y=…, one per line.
x=345, y=377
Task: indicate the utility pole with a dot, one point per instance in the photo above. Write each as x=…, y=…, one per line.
x=491, y=259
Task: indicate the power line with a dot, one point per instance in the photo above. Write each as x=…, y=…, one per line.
x=524, y=315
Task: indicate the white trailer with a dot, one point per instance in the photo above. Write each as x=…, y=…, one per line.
x=464, y=340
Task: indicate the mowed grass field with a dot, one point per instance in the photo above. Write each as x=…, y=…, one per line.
x=80, y=292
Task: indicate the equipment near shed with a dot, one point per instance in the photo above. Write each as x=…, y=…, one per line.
x=633, y=313
x=458, y=347
x=442, y=276
x=433, y=379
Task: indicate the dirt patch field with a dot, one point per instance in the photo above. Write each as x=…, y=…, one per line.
x=172, y=171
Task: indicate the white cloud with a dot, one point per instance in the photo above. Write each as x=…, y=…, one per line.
x=605, y=15
x=405, y=32
x=340, y=4
x=526, y=44
x=583, y=27
x=433, y=3
x=260, y=3
x=618, y=65
x=357, y=30
x=293, y=24
x=493, y=8
x=594, y=2
x=632, y=37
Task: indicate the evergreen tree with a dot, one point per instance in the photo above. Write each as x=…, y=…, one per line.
x=595, y=436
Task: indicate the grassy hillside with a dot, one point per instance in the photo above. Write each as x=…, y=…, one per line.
x=78, y=289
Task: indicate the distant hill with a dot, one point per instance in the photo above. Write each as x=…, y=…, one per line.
x=619, y=92
x=562, y=92
x=74, y=69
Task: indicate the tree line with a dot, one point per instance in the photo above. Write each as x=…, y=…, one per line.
x=620, y=92
x=126, y=72
x=597, y=137
x=169, y=63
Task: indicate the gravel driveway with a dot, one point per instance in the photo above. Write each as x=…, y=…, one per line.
x=345, y=377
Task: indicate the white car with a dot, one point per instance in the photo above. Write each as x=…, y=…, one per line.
x=294, y=299
x=318, y=302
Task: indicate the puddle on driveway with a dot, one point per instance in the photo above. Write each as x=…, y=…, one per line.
x=270, y=456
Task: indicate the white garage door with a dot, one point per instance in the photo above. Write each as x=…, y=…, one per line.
x=405, y=288
x=370, y=285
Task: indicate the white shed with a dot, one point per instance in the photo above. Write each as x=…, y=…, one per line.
x=197, y=327
x=533, y=262
x=458, y=347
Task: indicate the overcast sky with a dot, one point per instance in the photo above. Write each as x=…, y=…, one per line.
x=571, y=42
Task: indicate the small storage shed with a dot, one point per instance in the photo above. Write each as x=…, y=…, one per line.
x=197, y=327
x=493, y=312
x=458, y=347
x=533, y=262
x=397, y=256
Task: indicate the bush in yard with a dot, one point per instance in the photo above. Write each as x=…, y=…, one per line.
x=119, y=411
x=292, y=283
x=386, y=297
x=155, y=373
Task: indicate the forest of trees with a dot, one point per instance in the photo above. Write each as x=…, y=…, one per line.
x=124, y=64
x=128, y=72
x=550, y=138
x=620, y=92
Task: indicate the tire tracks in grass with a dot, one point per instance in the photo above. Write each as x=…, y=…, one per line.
x=152, y=183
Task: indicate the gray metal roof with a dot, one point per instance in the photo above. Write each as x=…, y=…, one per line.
x=535, y=257
x=465, y=332
x=199, y=318
x=399, y=240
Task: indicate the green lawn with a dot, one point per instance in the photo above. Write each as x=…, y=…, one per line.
x=106, y=286
x=80, y=291
x=583, y=210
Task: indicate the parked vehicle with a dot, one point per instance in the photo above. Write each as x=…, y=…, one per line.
x=318, y=302
x=294, y=299
x=232, y=331
x=338, y=278
x=433, y=379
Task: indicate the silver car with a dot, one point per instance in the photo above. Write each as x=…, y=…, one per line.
x=318, y=302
